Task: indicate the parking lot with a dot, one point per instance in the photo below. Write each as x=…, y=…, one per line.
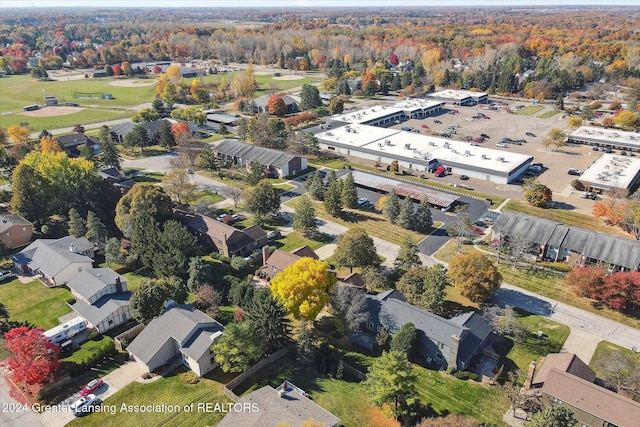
x=502, y=124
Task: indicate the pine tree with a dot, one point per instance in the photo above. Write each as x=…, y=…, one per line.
x=422, y=221
x=316, y=187
x=166, y=138
x=391, y=206
x=109, y=154
x=349, y=192
x=96, y=231
x=406, y=216
x=333, y=198
x=77, y=225
x=407, y=256
x=304, y=219
x=396, y=83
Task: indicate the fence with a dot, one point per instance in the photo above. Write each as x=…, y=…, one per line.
x=127, y=336
x=228, y=388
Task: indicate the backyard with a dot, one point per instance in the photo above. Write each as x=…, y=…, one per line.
x=35, y=303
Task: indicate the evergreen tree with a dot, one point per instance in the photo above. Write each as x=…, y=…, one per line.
x=77, y=225
x=343, y=87
x=208, y=159
x=396, y=83
x=406, y=216
x=559, y=102
x=407, y=256
x=304, y=219
x=86, y=151
x=158, y=106
x=166, y=137
x=333, y=198
x=391, y=206
x=256, y=174
x=309, y=97
x=263, y=200
x=406, y=79
x=96, y=231
x=349, y=192
x=316, y=186
x=269, y=318
x=112, y=254
x=109, y=154
x=422, y=221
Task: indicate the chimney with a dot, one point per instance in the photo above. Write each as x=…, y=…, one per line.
x=453, y=353
x=73, y=248
x=266, y=253
x=530, y=372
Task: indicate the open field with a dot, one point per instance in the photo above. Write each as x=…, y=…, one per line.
x=34, y=302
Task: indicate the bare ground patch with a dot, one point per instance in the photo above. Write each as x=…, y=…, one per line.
x=52, y=111
x=131, y=83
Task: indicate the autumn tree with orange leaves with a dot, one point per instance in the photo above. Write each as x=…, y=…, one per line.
x=49, y=144
x=276, y=105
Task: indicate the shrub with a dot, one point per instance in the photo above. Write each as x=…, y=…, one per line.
x=93, y=335
x=70, y=301
x=147, y=375
x=189, y=377
x=473, y=376
x=48, y=393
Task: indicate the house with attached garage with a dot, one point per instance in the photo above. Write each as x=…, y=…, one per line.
x=183, y=334
x=275, y=162
x=57, y=261
x=101, y=297
x=447, y=342
x=15, y=231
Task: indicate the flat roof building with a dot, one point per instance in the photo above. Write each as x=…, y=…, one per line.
x=610, y=138
x=460, y=97
x=610, y=171
x=391, y=114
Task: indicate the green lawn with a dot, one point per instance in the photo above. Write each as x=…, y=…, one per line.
x=35, y=303
x=548, y=114
x=152, y=177
x=530, y=110
x=134, y=280
x=295, y=240
x=88, y=348
x=606, y=352
x=169, y=391
x=206, y=198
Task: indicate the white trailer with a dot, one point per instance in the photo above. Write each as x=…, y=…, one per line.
x=66, y=331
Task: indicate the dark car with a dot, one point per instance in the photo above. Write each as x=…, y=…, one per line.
x=532, y=135
x=6, y=274
x=464, y=177
x=572, y=171
x=484, y=135
x=437, y=121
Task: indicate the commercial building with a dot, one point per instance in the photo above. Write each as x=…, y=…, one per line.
x=460, y=97
x=363, y=134
x=606, y=138
x=610, y=171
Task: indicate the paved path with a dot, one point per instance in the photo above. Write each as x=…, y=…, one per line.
x=14, y=416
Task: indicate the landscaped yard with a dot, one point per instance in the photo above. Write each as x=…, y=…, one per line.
x=35, y=303
x=542, y=282
x=530, y=110
x=88, y=348
x=134, y=280
x=206, y=198
x=295, y=240
x=601, y=362
x=169, y=391
x=549, y=113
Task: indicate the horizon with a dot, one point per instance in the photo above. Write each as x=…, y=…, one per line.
x=239, y=4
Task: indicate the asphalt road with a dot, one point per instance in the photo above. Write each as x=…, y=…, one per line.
x=11, y=415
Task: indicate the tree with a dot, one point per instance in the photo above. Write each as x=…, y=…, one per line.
x=460, y=228
x=407, y=256
x=96, y=231
x=148, y=301
x=394, y=166
x=336, y=105
x=208, y=301
x=349, y=192
x=269, y=317
x=631, y=217
x=190, y=114
x=373, y=279
x=143, y=200
x=425, y=287
x=112, y=253
x=558, y=137
x=422, y=220
x=619, y=372
x=586, y=281
x=262, y=200
x=208, y=159
x=391, y=206
x=475, y=276
x=18, y=134
x=304, y=218
x=49, y=144
x=181, y=132
x=77, y=225
x=304, y=287
x=538, y=195
x=316, y=186
x=146, y=115
x=166, y=137
x=4, y=313
x=391, y=379
x=309, y=97
x=276, y=105
x=627, y=120
x=574, y=122
x=234, y=193
x=554, y=416
x=238, y=348
x=256, y=174
x=405, y=218
x=244, y=84
x=32, y=358
x=355, y=248
x=519, y=245
x=177, y=185
x=109, y=154
x=405, y=340
x=450, y=420
x=350, y=307
x=172, y=249
x=333, y=197
x=138, y=137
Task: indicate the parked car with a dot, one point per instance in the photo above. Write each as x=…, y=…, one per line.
x=478, y=139
x=484, y=135
x=6, y=274
x=235, y=217
x=275, y=234
x=406, y=128
x=535, y=168
x=470, y=119
x=91, y=387
x=437, y=121
x=486, y=117
x=501, y=145
x=85, y=408
x=588, y=195
x=608, y=150
x=362, y=201
x=464, y=177
x=532, y=135
x=572, y=171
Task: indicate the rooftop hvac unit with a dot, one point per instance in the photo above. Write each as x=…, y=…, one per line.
x=455, y=151
x=387, y=142
x=467, y=153
x=407, y=146
x=431, y=144
x=484, y=156
x=500, y=159
x=373, y=109
x=446, y=145
x=329, y=133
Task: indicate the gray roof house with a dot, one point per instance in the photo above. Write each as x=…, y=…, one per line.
x=101, y=298
x=153, y=128
x=448, y=342
x=56, y=260
x=292, y=103
x=277, y=162
x=181, y=332
x=578, y=246
x=70, y=143
x=278, y=406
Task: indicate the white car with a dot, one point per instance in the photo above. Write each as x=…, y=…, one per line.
x=470, y=119
x=501, y=144
x=534, y=168
x=362, y=201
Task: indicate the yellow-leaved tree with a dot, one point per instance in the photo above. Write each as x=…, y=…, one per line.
x=304, y=287
x=49, y=144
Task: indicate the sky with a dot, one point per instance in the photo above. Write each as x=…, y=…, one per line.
x=308, y=3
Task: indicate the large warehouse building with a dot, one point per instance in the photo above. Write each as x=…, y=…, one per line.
x=607, y=138
x=460, y=97
x=610, y=171
x=353, y=135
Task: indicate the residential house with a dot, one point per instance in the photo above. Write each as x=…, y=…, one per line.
x=286, y=405
x=153, y=129
x=448, y=342
x=119, y=180
x=70, y=144
x=353, y=280
x=292, y=103
x=592, y=405
x=558, y=242
x=222, y=237
x=101, y=298
x=277, y=163
x=566, y=362
x=15, y=231
x=274, y=263
x=56, y=260
x=182, y=333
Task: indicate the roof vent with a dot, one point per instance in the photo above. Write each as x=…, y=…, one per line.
x=484, y=156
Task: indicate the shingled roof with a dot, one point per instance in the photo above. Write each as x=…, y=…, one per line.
x=264, y=156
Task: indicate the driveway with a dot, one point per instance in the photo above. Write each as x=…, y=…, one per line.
x=14, y=416
x=114, y=381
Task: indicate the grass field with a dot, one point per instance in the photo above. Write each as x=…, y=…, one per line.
x=606, y=352
x=88, y=348
x=295, y=240
x=206, y=198
x=530, y=110
x=550, y=113
x=134, y=280
x=169, y=391
x=34, y=302
x=373, y=223
x=566, y=217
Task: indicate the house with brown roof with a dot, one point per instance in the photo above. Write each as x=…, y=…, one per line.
x=353, y=280
x=592, y=405
x=565, y=362
x=15, y=231
x=221, y=237
x=274, y=263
